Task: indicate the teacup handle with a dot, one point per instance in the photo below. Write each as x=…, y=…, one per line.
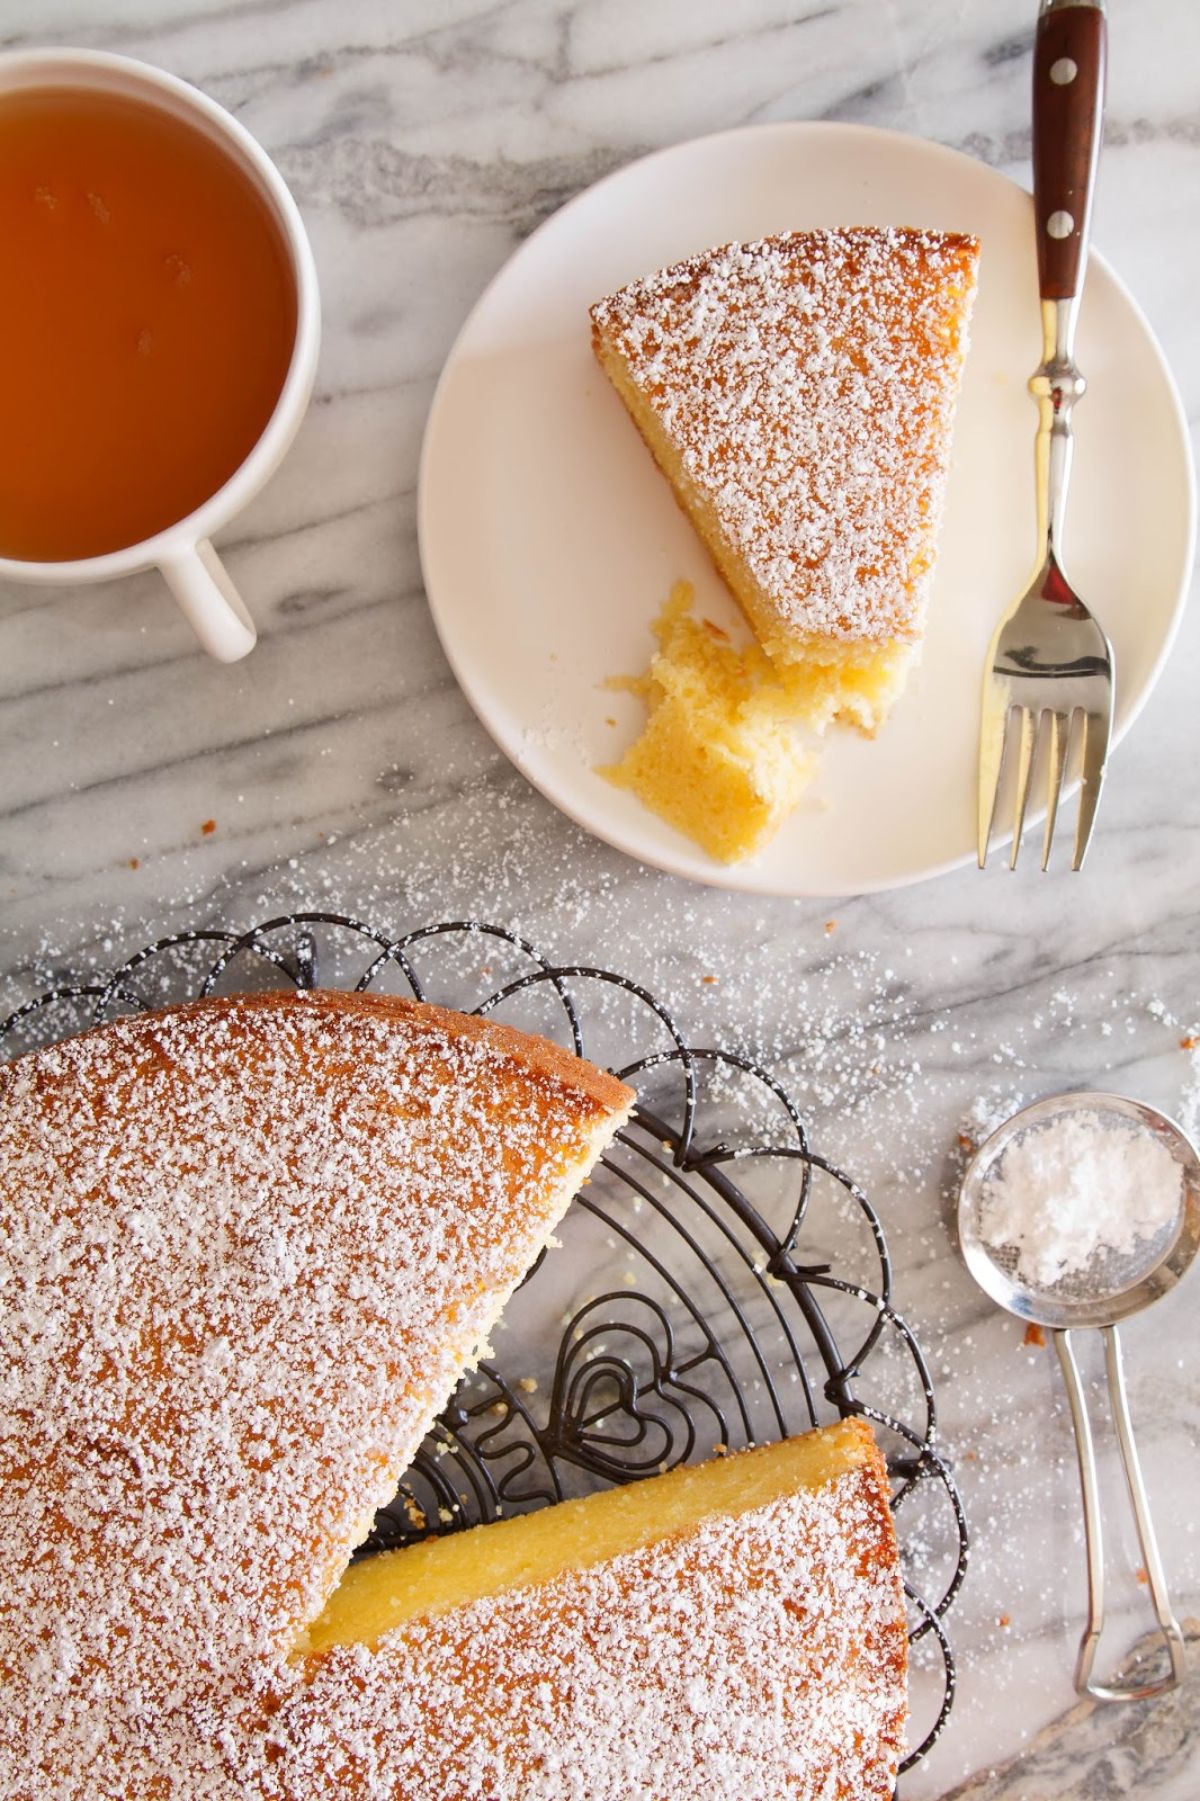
x=217, y=614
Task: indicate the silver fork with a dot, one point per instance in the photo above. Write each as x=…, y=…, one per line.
x=1050, y=663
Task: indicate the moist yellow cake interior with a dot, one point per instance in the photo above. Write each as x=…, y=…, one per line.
x=719, y=758
x=383, y=1591
x=857, y=683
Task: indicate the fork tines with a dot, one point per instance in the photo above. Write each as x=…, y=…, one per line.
x=1024, y=736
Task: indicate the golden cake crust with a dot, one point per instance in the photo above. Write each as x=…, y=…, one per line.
x=246, y=1249
x=798, y=392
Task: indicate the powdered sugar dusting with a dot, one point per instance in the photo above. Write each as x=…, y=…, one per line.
x=1080, y=1187
x=808, y=382
x=752, y=1658
x=245, y=1250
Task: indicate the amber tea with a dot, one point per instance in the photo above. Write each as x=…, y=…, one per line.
x=147, y=319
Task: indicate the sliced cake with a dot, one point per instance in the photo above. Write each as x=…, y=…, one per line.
x=247, y=1248
x=799, y=395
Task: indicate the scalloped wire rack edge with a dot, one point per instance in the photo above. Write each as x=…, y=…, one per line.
x=297, y=959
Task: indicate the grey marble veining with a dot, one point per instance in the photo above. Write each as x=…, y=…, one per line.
x=343, y=768
x=1102, y=1753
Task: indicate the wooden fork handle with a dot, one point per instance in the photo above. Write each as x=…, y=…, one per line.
x=1068, y=118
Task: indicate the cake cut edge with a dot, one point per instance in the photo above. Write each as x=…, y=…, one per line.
x=454, y=1569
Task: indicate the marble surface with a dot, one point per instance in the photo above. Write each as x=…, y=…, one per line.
x=143, y=788
x=1094, y=1751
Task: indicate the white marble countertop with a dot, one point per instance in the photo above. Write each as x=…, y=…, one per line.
x=342, y=767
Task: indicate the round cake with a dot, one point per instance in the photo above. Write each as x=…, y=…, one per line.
x=247, y=1248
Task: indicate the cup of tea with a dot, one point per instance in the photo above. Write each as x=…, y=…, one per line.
x=159, y=326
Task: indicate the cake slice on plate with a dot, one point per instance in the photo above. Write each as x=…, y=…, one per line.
x=799, y=395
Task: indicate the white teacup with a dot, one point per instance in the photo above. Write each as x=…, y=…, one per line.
x=182, y=551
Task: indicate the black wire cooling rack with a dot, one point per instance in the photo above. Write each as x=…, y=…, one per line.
x=719, y=1283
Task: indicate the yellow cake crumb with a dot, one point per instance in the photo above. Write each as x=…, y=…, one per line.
x=719, y=758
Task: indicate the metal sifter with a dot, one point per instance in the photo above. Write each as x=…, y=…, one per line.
x=1110, y=1287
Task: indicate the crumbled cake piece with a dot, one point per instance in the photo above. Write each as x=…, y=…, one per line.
x=799, y=395
x=718, y=758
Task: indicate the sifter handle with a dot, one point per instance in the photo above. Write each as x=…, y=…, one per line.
x=1093, y=1531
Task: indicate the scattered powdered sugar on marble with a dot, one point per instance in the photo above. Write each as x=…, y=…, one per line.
x=753, y=1658
x=809, y=381
x=245, y=1252
x=1082, y=1188
x=1189, y=1102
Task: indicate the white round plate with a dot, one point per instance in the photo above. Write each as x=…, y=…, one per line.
x=549, y=539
